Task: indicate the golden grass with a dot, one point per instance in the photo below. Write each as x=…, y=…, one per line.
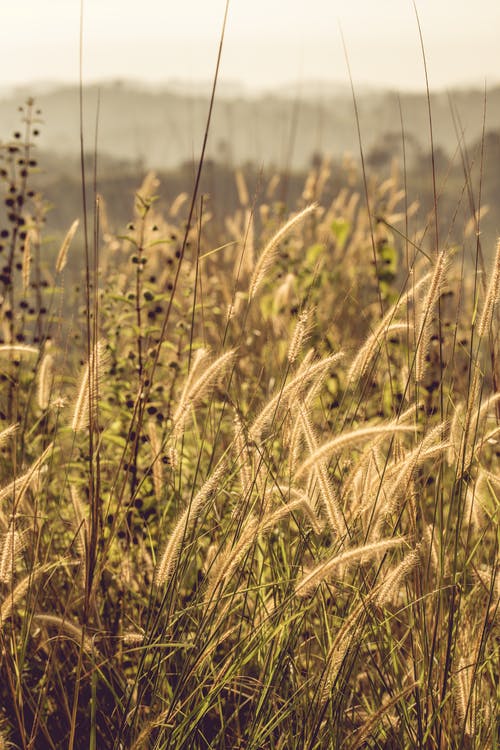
x=265, y=547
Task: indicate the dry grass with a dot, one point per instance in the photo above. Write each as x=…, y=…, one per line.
x=266, y=546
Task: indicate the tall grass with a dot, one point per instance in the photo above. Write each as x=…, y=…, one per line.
x=262, y=510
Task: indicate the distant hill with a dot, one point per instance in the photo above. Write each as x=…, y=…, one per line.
x=163, y=127
x=140, y=128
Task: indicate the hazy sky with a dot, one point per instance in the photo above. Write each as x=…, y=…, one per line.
x=268, y=42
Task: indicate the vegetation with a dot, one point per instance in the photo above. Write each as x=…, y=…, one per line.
x=249, y=478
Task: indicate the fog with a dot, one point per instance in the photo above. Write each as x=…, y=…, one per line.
x=269, y=43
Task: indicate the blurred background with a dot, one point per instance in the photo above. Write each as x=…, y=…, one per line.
x=283, y=104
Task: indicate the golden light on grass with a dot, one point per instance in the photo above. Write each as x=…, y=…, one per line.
x=62, y=257
x=248, y=521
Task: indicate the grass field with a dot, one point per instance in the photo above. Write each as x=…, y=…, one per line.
x=249, y=479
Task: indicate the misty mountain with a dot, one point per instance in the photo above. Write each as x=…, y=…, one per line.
x=163, y=127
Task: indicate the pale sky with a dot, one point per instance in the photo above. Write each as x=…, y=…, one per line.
x=268, y=42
